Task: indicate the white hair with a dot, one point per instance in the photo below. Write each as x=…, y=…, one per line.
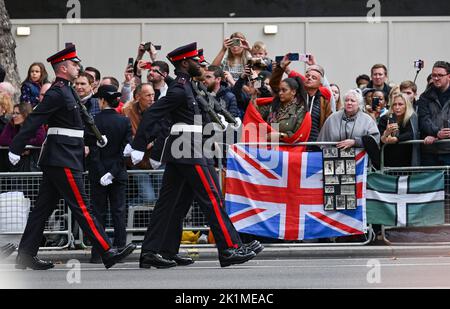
x=357, y=93
x=7, y=88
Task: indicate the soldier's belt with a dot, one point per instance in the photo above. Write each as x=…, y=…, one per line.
x=65, y=132
x=179, y=128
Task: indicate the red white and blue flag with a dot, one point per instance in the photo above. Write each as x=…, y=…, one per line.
x=279, y=194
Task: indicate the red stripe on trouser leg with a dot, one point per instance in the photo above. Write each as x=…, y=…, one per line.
x=215, y=188
x=215, y=206
x=84, y=210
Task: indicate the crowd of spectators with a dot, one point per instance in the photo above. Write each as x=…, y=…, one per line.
x=241, y=73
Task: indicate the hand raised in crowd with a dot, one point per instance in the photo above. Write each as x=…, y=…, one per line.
x=246, y=45
x=444, y=133
x=153, y=52
x=285, y=62
x=141, y=64
x=128, y=74
x=311, y=60
x=248, y=72
x=274, y=65
x=141, y=51
x=348, y=143
x=229, y=78
x=227, y=43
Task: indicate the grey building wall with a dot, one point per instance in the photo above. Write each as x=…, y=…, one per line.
x=346, y=47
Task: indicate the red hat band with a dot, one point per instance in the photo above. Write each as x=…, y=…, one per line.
x=190, y=54
x=68, y=56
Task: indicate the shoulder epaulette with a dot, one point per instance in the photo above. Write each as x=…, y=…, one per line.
x=182, y=80
x=58, y=84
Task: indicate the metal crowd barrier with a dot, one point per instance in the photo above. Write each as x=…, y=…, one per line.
x=140, y=206
x=58, y=228
x=406, y=171
x=62, y=232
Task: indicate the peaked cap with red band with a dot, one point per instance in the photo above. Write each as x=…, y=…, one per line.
x=202, y=60
x=184, y=52
x=69, y=53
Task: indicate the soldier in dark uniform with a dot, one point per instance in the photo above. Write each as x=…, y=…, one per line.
x=107, y=170
x=62, y=162
x=188, y=172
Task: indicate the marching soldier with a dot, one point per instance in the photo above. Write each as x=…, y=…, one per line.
x=187, y=176
x=61, y=161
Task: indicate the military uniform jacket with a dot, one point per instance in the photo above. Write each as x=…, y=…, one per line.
x=180, y=104
x=109, y=159
x=59, y=109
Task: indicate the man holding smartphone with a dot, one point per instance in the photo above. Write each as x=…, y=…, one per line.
x=434, y=113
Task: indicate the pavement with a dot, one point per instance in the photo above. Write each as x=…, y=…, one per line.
x=277, y=251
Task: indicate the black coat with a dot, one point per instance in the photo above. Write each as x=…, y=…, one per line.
x=180, y=104
x=58, y=109
x=109, y=159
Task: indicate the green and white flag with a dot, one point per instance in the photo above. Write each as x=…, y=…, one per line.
x=416, y=200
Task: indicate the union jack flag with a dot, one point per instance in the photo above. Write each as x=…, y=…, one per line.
x=279, y=194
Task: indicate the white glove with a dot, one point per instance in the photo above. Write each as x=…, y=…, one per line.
x=155, y=164
x=105, y=142
x=13, y=158
x=127, y=151
x=238, y=124
x=107, y=179
x=136, y=156
x=217, y=126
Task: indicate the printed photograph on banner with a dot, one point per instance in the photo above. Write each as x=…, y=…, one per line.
x=350, y=167
x=330, y=153
x=331, y=180
x=348, y=189
x=348, y=153
x=340, y=202
x=351, y=202
x=329, y=189
x=329, y=202
x=348, y=179
x=340, y=167
x=328, y=168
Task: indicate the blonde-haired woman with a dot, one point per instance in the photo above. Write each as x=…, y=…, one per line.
x=398, y=125
x=6, y=108
x=233, y=64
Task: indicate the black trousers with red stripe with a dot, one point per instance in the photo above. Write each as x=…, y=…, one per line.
x=181, y=184
x=58, y=182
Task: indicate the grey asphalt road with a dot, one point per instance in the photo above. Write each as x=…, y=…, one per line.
x=426, y=272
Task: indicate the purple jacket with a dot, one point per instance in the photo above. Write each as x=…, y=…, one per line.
x=10, y=131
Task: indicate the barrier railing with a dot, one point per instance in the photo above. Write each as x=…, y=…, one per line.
x=411, y=170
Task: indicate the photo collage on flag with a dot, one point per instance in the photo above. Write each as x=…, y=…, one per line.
x=339, y=172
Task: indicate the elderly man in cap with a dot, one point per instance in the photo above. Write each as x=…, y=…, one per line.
x=188, y=174
x=61, y=161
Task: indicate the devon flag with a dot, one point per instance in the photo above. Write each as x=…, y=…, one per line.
x=416, y=200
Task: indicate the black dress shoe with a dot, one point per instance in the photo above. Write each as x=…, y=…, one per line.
x=24, y=261
x=180, y=260
x=96, y=258
x=113, y=256
x=255, y=246
x=235, y=256
x=7, y=250
x=149, y=259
